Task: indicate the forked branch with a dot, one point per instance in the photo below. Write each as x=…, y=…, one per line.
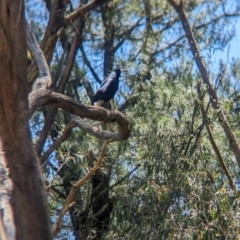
x=75, y=108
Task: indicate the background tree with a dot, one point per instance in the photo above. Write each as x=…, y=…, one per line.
x=168, y=181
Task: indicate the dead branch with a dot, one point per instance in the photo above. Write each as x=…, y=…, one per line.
x=79, y=122
x=205, y=77
x=44, y=80
x=118, y=182
x=90, y=112
x=131, y=101
x=88, y=88
x=94, y=113
x=79, y=26
x=70, y=197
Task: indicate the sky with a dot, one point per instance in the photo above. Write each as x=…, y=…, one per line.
x=232, y=50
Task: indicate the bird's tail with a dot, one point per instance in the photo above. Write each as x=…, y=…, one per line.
x=93, y=100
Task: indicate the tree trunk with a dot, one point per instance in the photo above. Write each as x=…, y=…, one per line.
x=28, y=201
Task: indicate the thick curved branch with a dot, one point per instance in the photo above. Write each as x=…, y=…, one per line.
x=90, y=112
x=44, y=77
x=94, y=113
x=44, y=80
x=53, y=31
x=78, y=122
x=36, y=52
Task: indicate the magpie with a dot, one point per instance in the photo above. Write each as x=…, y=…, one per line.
x=109, y=86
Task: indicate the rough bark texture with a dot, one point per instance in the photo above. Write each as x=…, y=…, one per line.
x=28, y=198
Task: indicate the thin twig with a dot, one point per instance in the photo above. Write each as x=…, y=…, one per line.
x=69, y=199
x=56, y=143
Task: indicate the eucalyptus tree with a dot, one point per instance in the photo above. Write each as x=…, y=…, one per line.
x=168, y=180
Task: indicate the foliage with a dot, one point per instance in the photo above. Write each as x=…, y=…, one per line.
x=165, y=182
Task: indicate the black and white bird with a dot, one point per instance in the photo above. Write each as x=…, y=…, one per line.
x=109, y=86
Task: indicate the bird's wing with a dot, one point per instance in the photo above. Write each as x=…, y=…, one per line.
x=105, y=83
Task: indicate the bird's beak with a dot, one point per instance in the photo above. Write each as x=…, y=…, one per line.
x=124, y=70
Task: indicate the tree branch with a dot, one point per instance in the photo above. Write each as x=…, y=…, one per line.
x=56, y=143
x=211, y=139
x=118, y=182
x=38, y=56
x=94, y=113
x=205, y=77
x=217, y=19
x=82, y=10
x=69, y=200
x=87, y=62
x=88, y=88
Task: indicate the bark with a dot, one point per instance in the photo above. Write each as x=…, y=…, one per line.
x=94, y=113
x=205, y=77
x=7, y=227
x=101, y=204
x=79, y=26
x=51, y=34
x=212, y=141
x=28, y=200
